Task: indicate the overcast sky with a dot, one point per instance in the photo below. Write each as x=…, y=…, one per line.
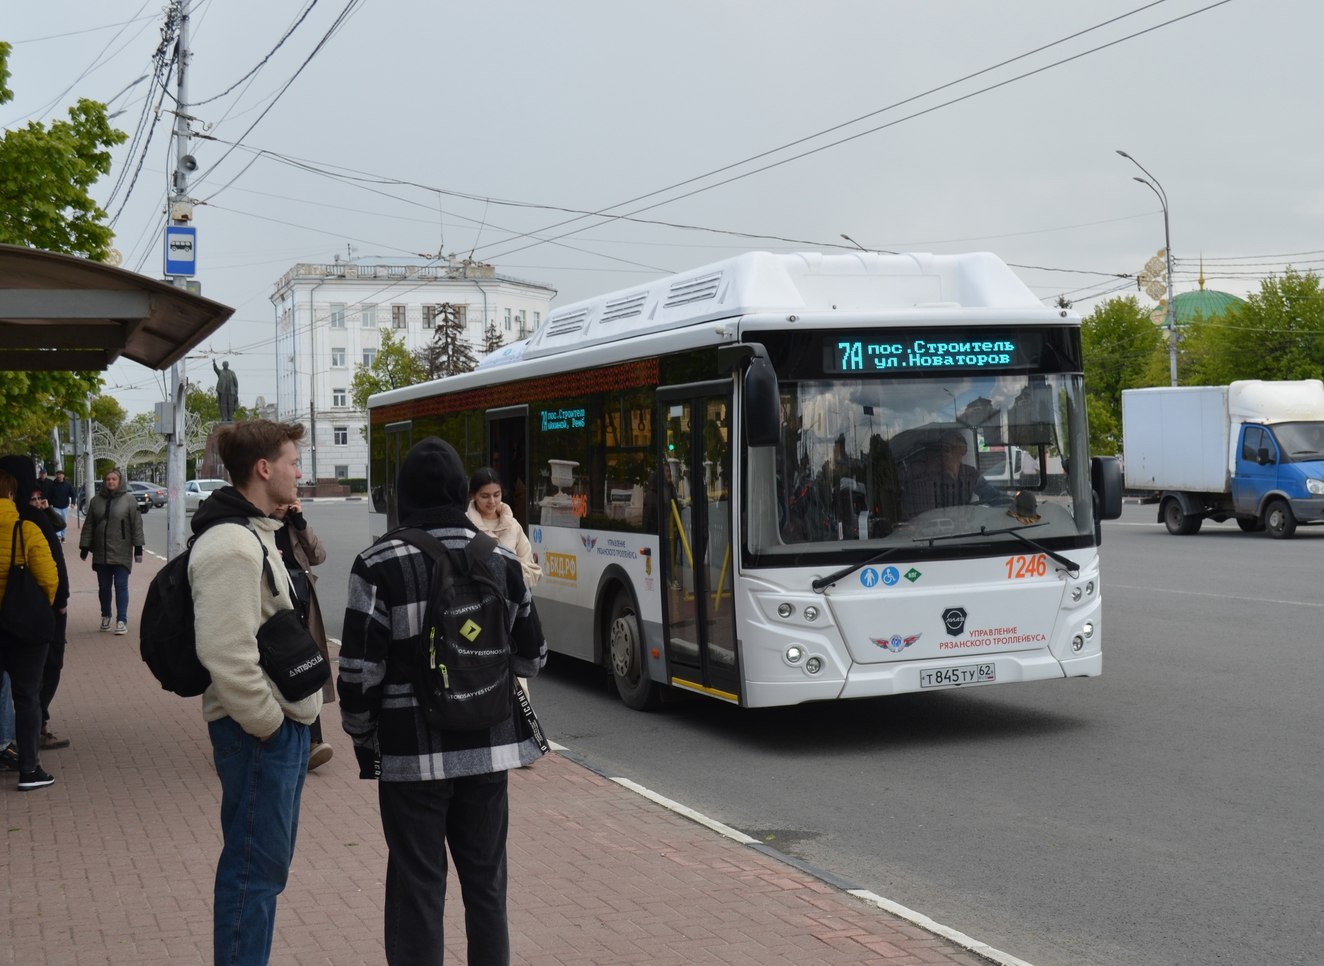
x=468, y=125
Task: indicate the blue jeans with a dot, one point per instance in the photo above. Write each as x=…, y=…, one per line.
x=64, y=515
x=419, y=820
x=7, y=733
x=119, y=575
x=261, y=783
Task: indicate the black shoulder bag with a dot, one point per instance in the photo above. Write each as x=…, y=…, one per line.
x=25, y=612
x=286, y=651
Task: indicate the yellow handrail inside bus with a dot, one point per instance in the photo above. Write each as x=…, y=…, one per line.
x=680, y=529
x=721, y=580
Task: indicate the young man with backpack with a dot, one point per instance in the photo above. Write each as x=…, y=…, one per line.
x=259, y=735
x=433, y=637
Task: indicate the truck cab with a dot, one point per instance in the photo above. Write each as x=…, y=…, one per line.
x=1278, y=476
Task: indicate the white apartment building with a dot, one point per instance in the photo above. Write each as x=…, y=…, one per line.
x=329, y=319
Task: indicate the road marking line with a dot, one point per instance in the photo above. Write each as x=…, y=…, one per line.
x=1205, y=593
x=887, y=905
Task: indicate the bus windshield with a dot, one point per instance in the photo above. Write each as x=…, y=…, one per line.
x=929, y=463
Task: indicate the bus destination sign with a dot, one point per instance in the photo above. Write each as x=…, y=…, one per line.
x=930, y=351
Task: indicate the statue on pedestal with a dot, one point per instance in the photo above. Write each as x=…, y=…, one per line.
x=227, y=391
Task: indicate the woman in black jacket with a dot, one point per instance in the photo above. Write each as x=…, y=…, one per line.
x=113, y=535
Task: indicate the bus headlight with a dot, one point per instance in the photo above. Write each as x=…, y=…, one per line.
x=811, y=613
x=1088, y=630
x=814, y=665
x=794, y=655
x=1078, y=643
x=785, y=610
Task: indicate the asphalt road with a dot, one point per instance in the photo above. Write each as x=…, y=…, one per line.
x=1165, y=813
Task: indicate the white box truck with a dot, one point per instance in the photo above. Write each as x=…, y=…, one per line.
x=1252, y=451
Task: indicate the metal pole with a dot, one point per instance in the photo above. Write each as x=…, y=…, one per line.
x=176, y=451
x=1170, y=313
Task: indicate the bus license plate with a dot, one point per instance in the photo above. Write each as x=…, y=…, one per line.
x=952, y=677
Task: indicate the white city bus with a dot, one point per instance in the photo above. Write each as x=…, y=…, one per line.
x=759, y=480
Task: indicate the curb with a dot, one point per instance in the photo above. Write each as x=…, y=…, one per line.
x=968, y=943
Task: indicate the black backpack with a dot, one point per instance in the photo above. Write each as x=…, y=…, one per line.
x=461, y=669
x=166, y=638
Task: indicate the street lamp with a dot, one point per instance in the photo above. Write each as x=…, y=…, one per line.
x=1152, y=183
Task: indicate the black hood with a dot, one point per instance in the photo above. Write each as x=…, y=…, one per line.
x=21, y=469
x=432, y=477
x=224, y=504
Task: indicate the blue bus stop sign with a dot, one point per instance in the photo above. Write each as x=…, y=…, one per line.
x=181, y=250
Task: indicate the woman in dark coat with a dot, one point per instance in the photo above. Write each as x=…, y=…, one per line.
x=113, y=535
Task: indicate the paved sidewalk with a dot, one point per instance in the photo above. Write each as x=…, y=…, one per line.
x=113, y=863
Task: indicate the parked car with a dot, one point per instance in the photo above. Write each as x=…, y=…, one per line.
x=195, y=491
x=148, y=495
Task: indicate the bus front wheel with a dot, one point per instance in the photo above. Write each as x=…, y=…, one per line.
x=625, y=641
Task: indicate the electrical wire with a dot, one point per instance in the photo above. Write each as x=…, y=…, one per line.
x=261, y=63
x=955, y=100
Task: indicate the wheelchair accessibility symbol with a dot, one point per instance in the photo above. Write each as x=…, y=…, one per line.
x=891, y=576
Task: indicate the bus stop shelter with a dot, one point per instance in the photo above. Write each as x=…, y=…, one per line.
x=59, y=312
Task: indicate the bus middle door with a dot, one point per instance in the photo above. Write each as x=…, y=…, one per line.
x=698, y=566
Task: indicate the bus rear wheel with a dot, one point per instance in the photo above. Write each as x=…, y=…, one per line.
x=625, y=648
x=1278, y=520
x=1178, y=521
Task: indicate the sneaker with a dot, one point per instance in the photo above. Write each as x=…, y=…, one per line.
x=34, y=779
x=9, y=758
x=121, y=627
x=105, y=623
x=51, y=741
x=319, y=754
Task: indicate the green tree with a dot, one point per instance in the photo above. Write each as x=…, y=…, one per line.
x=492, y=338
x=394, y=368
x=1277, y=334
x=449, y=353
x=45, y=174
x=202, y=400
x=1123, y=349
x=107, y=411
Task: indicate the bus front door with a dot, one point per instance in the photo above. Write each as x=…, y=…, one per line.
x=698, y=566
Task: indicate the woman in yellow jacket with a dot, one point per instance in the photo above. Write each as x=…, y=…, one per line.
x=24, y=661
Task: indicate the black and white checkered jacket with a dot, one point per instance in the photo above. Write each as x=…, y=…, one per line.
x=388, y=596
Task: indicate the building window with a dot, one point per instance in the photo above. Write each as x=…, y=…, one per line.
x=537, y=320
x=339, y=397
x=369, y=356
x=342, y=472
x=507, y=320
x=398, y=317
x=337, y=358
x=340, y=435
x=523, y=322
x=337, y=315
x=368, y=317
x=430, y=316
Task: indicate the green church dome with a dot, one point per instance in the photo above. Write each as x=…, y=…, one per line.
x=1202, y=303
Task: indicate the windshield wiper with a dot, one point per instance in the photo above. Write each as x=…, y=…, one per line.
x=1072, y=567
x=820, y=582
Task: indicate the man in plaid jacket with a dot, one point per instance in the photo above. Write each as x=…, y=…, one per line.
x=436, y=788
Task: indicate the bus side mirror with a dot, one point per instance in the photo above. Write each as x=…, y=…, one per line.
x=762, y=400
x=1106, y=480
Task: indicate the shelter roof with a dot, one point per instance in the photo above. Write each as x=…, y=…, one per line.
x=60, y=312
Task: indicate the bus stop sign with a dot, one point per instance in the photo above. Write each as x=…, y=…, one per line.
x=181, y=246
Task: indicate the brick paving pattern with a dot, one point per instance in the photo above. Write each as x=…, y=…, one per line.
x=113, y=864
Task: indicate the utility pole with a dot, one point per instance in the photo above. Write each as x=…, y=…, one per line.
x=181, y=216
